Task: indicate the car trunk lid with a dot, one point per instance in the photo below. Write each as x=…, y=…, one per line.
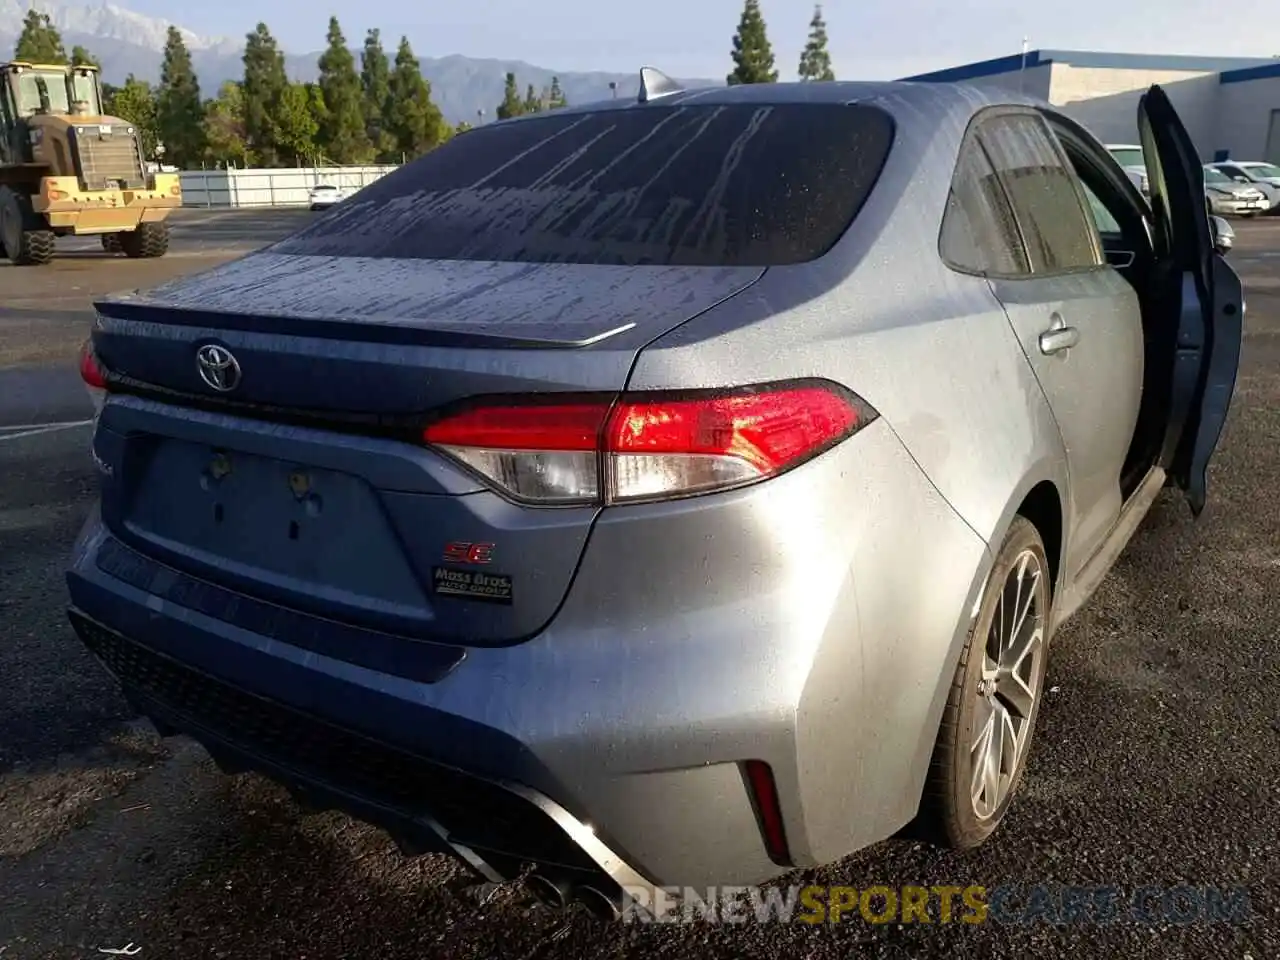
x=317, y=494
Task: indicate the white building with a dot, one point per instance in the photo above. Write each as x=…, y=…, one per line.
x=1230, y=105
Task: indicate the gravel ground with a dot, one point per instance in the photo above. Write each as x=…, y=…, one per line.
x=1156, y=761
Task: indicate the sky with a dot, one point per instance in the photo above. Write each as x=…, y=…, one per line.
x=869, y=39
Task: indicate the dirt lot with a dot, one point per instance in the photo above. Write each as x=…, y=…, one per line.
x=1156, y=765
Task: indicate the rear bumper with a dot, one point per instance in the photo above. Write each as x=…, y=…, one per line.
x=492, y=826
x=812, y=623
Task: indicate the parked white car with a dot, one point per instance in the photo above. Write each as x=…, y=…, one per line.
x=325, y=195
x=1129, y=156
x=1255, y=173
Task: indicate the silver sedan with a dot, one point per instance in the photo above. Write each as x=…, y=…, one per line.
x=678, y=490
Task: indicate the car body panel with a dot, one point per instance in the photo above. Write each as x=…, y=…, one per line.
x=783, y=621
x=1096, y=422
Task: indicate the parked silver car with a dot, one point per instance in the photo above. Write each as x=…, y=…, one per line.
x=677, y=490
x=1229, y=198
x=1263, y=176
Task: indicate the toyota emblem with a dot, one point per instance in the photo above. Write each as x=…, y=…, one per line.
x=218, y=368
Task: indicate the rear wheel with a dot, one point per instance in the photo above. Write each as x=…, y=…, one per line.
x=25, y=239
x=147, y=241
x=985, y=736
x=111, y=243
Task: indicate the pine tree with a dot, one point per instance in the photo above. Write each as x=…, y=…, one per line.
x=224, y=127
x=80, y=57
x=135, y=102
x=414, y=121
x=179, y=110
x=752, y=54
x=815, y=61
x=342, y=137
x=511, y=105
x=375, y=80
x=555, y=98
x=532, y=102
x=262, y=91
x=40, y=41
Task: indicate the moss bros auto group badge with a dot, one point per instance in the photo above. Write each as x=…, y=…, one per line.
x=474, y=583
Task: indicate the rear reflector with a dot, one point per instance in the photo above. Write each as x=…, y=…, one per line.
x=650, y=447
x=764, y=797
x=91, y=371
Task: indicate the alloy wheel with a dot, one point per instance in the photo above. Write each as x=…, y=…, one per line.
x=1009, y=686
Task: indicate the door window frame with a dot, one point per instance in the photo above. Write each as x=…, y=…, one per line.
x=1121, y=190
x=971, y=140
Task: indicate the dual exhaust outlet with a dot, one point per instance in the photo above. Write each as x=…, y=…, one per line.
x=558, y=895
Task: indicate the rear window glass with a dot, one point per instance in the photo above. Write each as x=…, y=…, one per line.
x=741, y=184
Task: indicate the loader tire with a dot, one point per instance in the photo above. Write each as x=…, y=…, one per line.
x=148, y=241
x=24, y=238
x=35, y=248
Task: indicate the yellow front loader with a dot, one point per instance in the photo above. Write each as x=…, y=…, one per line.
x=68, y=170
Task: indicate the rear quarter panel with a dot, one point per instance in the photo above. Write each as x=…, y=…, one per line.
x=932, y=350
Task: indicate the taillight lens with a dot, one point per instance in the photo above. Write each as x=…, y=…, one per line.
x=91, y=371
x=547, y=453
x=650, y=447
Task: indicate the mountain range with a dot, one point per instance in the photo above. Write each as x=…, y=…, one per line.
x=126, y=43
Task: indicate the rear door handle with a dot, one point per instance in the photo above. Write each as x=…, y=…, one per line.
x=1058, y=337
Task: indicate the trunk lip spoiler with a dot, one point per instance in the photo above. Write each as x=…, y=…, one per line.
x=363, y=330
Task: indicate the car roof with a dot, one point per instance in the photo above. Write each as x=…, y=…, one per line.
x=898, y=96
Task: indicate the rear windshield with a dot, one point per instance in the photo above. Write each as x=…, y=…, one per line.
x=736, y=185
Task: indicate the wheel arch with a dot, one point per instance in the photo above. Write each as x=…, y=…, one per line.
x=1042, y=506
x=1041, y=497
x=1040, y=500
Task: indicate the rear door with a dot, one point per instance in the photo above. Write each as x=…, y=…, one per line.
x=1078, y=321
x=1205, y=293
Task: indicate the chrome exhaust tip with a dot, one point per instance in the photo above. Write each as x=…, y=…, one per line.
x=599, y=904
x=547, y=890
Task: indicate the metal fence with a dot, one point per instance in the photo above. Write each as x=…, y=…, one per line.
x=287, y=187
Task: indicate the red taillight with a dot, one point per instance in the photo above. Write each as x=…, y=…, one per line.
x=764, y=797
x=91, y=371
x=648, y=447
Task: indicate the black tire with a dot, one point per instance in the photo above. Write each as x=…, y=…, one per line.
x=24, y=238
x=36, y=248
x=948, y=811
x=148, y=241
x=111, y=243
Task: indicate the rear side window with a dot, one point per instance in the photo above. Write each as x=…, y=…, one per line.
x=1042, y=191
x=979, y=234
x=728, y=185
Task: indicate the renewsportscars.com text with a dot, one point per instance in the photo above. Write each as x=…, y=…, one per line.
x=969, y=904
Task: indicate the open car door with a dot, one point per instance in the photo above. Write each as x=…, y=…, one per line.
x=1205, y=290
